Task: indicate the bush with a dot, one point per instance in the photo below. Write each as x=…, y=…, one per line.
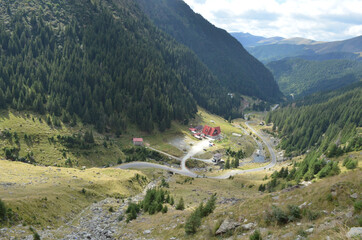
x=164, y=209
x=209, y=207
x=294, y=213
x=351, y=164
x=280, y=216
x=256, y=235
x=358, y=206
x=193, y=222
x=311, y=215
x=132, y=211
x=180, y=205
x=2, y=211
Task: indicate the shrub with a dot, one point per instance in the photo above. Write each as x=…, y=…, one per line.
x=164, y=183
x=256, y=235
x=279, y=215
x=193, y=222
x=311, y=215
x=180, y=205
x=132, y=211
x=36, y=236
x=209, y=207
x=111, y=209
x=294, y=213
x=2, y=211
x=358, y=206
x=351, y=164
x=164, y=209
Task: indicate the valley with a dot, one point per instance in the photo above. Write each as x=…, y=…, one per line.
x=124, y=119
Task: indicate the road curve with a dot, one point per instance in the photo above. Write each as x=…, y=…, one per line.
x=195, y=149
x=270, y=165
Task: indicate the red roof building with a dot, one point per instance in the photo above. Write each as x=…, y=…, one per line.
x=138, y=141
x=211, y=131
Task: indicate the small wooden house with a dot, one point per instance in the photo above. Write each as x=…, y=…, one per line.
x=138, y=141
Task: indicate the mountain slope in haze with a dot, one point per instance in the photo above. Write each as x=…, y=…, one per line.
x=236, y=69
x=105, y=63
x=301, y=77
x=249, y=40
x=267, y=51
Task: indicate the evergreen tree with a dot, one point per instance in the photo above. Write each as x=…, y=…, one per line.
x=180, y=205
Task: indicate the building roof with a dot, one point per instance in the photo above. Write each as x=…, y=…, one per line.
x=199, y=127
x=137, y=139
x=211, y=131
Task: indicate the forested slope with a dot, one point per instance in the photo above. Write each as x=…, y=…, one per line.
x=321, y=122
x=236, y=69
x=104, y=62
x=303, y=77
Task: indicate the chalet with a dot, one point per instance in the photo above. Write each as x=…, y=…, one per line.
x=212, y=132
x=138, y=141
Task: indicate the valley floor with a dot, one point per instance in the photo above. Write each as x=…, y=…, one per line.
x=68, y=203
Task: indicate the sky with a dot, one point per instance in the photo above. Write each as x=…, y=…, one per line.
x=321, y=20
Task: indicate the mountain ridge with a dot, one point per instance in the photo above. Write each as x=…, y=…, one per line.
x=225, y=57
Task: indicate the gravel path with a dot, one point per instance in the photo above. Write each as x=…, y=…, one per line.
x=96, y=221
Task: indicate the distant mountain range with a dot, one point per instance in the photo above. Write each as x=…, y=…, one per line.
x=304, y=66
x=277, y=48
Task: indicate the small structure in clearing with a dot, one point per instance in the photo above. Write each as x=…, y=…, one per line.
x=217, y=158
x=138, y=141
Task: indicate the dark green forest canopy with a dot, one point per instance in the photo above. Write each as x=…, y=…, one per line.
x=105, y=63
x=321, y=121
x=236, y=69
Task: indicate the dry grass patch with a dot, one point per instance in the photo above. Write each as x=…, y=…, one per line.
x=51, y=196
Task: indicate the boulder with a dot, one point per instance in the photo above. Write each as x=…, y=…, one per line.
x=227, y=224
x=354, y=196
x=355, y=232
x=248, y=226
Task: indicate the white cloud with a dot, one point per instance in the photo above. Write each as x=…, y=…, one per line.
x=316, y=19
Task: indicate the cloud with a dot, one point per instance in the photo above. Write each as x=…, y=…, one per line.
x=316, y=19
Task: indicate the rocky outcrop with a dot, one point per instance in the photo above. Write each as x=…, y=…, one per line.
x=227, y=225
x=355, y=232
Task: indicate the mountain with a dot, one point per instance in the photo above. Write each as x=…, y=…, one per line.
x=103, y=62
x=267, y=51
x=300, y=77
x=319, y=121
x=236, y=69
x=249, y=40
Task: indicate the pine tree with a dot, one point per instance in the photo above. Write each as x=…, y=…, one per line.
x=227, y=164
x=180, y=205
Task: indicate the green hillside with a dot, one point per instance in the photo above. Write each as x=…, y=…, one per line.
x=237, y=70
x=103, y=62
x=302, y=77
x=321, y=122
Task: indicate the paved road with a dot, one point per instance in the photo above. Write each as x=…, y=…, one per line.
x=270, y=165
x=196, y=148
x=138, y=165
x=199, y=148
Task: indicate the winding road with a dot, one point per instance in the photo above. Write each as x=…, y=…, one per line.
x=199, y=148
